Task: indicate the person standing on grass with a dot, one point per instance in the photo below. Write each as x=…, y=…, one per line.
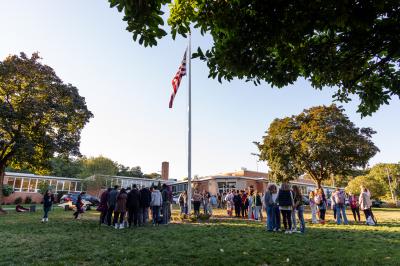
x=320, y=200
x=250, y=204
x=206, y=202
x=165, y=204
x=133, y=204
x=112, y=200
x=313, y=207
x=213, y=201
x=339, y=198
x=145, y=199
x=103, y=206
x=285, y=201
x=79, y=206
x=237, y=201
x=48, y=200
x=183, y=202
x=120, y=209
x=365, y=205
x=299, y=207
x=210, y=204
x=257, y=205
x=276, y=211
x=355, y=208
x=229, y=203
x=245, y=204
x=155, y=204
x=197, y=198
x=219, y=199
x=269, y=208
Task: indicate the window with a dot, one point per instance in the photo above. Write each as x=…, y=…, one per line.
x=67, y=185
x=17, y=185
x=32, y=185
x=25, y=184
x=60, y=185
x=72, y=188
x=10, y=181
x=53, y=183
x=78, y=186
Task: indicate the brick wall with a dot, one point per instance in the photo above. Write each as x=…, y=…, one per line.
x=36, y=197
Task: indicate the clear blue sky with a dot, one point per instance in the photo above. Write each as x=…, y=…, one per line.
x=127, y=87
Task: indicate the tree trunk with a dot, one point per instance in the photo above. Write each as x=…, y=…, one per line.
x=2, y=172
x=318, y=181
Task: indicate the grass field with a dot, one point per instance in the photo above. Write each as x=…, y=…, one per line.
x=222, y=241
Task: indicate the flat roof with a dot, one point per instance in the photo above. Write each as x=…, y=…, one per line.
x=133, y=178
x=12, y=174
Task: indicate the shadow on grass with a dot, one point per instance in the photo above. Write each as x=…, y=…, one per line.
x=220, y=242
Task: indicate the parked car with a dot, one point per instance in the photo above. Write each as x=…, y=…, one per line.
x=377, y=203
x=73, y=197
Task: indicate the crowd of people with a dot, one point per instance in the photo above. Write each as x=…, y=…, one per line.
x=125, y=207
x=131, y=207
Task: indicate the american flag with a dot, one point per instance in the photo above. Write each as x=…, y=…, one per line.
x=176, y=81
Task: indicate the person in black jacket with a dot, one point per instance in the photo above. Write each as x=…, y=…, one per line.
x=133, y=204
x=285, y=200
x=237, y=201
x=79, y=205
x=48, y=200
x=145, y=199
x=112, y=200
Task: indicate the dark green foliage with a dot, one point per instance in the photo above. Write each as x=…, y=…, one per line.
x=28, y=200
x=18, y=200
x=351, y=45
x=129, y=171
x=40, y=115
x=321, y=142
x=152, y=176
x=98, y=166
x=65, y=166
x=7, y=190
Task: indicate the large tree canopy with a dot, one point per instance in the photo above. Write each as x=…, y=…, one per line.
x=389, y=175
x=352, y=45
x=375, y=186
x=39, y=115
x=321, y=142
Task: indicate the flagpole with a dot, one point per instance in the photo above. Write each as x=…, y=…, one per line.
x=190, y=129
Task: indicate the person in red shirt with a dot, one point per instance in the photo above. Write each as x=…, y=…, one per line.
x=355, y=208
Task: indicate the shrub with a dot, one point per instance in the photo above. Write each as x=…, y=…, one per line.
x=28, y=200
x=7, y=190
x=18, y=200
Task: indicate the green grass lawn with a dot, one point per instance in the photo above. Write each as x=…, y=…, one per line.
x=25, y=240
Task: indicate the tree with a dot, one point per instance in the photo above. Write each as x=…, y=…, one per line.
x=152, y=176
x=126, y=171
x=351, y=45
x=321, y=142
x=65, y=166
x=40, y=116
x=98, y=166
x=389, y=175
x=375, y=186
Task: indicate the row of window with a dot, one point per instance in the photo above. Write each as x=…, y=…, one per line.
x=26, y=184
x=179, y=187
x=129, y=183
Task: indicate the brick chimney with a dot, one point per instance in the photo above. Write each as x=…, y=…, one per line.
x=164, y=170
